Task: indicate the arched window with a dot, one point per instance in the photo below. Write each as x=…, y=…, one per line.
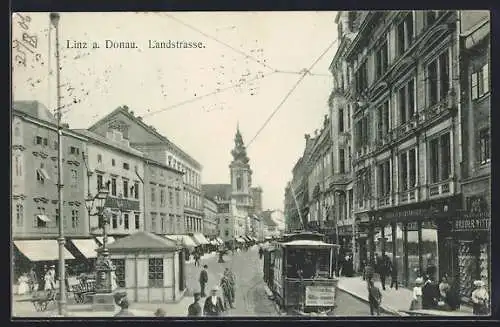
x=238, y=183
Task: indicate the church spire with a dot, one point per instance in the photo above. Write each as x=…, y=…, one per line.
x=239, y=152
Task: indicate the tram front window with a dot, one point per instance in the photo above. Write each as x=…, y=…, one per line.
x=312, y=263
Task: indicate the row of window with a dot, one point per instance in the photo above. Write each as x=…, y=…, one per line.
x=125, y=220
x=404, y=32
x=129, y=189
x=42, y=220
x=165, y=225
x=193, y=224
x=192, y=200
x=163, y=196
x=190, y=176
x=42, y=174
x=125, y=165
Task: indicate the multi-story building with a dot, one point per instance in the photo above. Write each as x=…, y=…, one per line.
x=469, y=240
x=291, y=218
x=112, y=164
x=320, y=162
x=210, y=218
x=257, y=199
x=341, y=140
x=234, y=201
x=163, y=198
x=146, y=139
x=35, y=176
x=34, y=194
x=402, y=84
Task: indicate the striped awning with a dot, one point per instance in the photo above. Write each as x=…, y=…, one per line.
x=87, y=247
x=241, y=240
x=187, y=242
x=200, y=239
x=41, y=250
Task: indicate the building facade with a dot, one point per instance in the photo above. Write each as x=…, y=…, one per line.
x=257, y=199
x=210, y=222
x=156, y=146
x=320, y=195
x=341, y=141
x=163, y=198
x=112, y=164
x=402, y=85
x=35, y=176
x=469, y=236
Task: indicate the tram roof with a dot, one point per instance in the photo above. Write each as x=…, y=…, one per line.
x=309, y=243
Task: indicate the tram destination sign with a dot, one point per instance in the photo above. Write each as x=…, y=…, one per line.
x=319, y=296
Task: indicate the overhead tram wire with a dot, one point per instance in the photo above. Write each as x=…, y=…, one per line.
x=246, y=55
x=197, y=98
x=304, y=74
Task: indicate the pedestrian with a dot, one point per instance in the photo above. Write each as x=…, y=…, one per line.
x=383, y=269
x=203, y=280
x=232, y=282
x=196, y=259
x=374, y=298
x=261, y=252
x=369, y=271
x=124, y=308
x=394, y=277
x=444, y=289
x=226, y=292
x=214, y=306
x=194, y=309
x=480, y=298
x=430, y=294
x=416, y=302
x=49, y=281
x=33, y=280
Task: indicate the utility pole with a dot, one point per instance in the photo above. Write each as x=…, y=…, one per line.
x=54, y=19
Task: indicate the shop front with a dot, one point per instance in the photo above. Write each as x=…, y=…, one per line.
x=412, y=237
x=467, y=242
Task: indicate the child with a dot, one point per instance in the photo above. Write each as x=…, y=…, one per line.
x=416, y=302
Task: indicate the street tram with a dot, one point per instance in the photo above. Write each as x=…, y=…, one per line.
x=299, y=270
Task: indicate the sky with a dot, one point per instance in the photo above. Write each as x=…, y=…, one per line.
x=247, y=66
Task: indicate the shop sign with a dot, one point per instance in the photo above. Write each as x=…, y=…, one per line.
x=319, y=296
x=464, y=225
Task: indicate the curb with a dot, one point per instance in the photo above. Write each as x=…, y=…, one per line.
x=382, y=307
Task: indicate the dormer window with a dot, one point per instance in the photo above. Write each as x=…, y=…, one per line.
x=126, y=166
x=74, y=150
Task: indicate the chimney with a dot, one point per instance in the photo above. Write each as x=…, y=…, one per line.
x=307, y=137
x=139, y=117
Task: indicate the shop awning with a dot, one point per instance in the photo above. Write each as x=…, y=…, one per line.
x=200, y=239
x=241, y=240
x=100, y=239
x=187, y=242
x=41, y=250
x=214, y=242
x=44, y=218
x=87, y=247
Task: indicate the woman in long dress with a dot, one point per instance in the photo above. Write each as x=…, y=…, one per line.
x=49, y=281
x=23, y=286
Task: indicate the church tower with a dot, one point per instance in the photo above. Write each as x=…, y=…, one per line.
x=241, y=174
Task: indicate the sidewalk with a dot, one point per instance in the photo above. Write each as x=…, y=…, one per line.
x=396, y=302
x=22, y=308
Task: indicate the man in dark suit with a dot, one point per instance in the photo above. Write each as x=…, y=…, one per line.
x=194, y=309
x=203, y=280
x=214, y=306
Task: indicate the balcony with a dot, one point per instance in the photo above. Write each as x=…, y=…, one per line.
x=408, y=196
x=384, y=201
x=443, y=107
x=444, y=188
x=406, y=128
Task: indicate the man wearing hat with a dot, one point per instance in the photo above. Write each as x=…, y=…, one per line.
x=214, y=306
x=194, y=309
x=203, y=280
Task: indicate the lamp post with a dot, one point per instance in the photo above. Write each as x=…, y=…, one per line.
x=54, y=20
x=104, y=298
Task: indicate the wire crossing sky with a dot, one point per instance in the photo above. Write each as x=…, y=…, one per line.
x=247, y=69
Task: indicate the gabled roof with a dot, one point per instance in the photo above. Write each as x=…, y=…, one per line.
x=34, y=109
x=142, y=241
x=124, y=110
x=217, y=191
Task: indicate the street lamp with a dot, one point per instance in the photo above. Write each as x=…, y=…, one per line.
x=103, y=299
